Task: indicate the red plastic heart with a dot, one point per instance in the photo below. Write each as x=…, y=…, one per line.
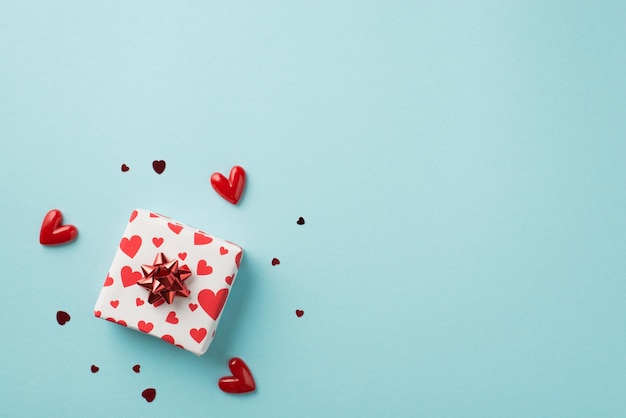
x=230, y=189
x=241, y=381
x=53, y=233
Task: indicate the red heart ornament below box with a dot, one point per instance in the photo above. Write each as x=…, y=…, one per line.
x=230, y=189
x=53, y=233
x=241, y=381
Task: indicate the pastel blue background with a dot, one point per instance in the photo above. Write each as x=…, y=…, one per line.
x=460, y=167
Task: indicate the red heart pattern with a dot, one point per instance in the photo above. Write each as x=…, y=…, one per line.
x=203, y=268
x=139, y=302
x=168, y=338
x=182, y=256
x=193, y=306
x=114, y=303
x=198, y=334
x=145, y=326
x=223, y=251
x=108, y=281
x=157, y=241
x=229, y=279
x=129, y=277
x=171, y=318
x=130, y=246
x=212, y=303
x=230, y=189
x=201, y=239
x=133, y=216
x=175, y=228
x=241, y=381
x=53, y=233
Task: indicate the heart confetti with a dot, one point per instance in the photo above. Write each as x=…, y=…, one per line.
x=299, y=313
x=149, y=394
x=53, y=233
x=300, y=221
x=158, y=166
x=125, y=168
x=241, y=381
x=275, y=261
x=230, y=189
x=94, y=368
x=62, y=317
x=136, y=368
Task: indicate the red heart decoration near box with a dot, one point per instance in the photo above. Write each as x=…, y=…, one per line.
x=53, y=233
x=241, y=381
x=230, y=189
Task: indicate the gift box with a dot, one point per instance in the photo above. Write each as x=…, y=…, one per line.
x=169, y=280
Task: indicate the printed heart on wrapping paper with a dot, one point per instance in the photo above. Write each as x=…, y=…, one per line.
x=130, y=277
x=212, y=303
x=108, y=281
x=201, y=239
x=241, y=381
x=130, y=246
x=203, y=268
x=145, y=326
x=230, y=189
x=198, y=334
x=157, y=241
x=53, y=233
x=175, y=228
x=171, y=318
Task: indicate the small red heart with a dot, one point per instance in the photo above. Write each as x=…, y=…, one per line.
x=133, y=216
x=175, y=228
x=62, y=317
x=157, y=241
x=198, y=334
x=129, y=277
x=145, y=326
x=131, y=245
x=171, y=318
x=139, y=302
x=229, y=279
x=114, y=303
x=158, y=166
x=168, y=338
x=149, y=394
x=154, y=215
x=241, y=381
x=193, y=306
x=275, y=261
x=136, y=368
x=223, y=251
x=300, y=221
x=230, y=189
x=53, y=233
x=94, y=368
x=122, y=323
x=97, y=314
x=203, y=268
x=182, y=256
x=238, y=258
x=201, y=239
x=212, y=303
x=108, y=281
x=125, y=168
x=299, y=313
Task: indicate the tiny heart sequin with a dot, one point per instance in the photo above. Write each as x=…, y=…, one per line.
x=136, y=368
x=149, y=394
x=300, y=221
x=125, y=168
x=275, y=261
x=158, y=166
x=62, y=317
x=94, y=368
x=53, y=233
x=241, y=381
x=299, y=313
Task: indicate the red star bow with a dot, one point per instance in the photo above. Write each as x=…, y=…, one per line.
x=164, y=279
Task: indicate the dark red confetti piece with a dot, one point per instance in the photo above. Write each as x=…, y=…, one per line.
x=125, y=168
x=62, y=317
x=299, y=313
x=300, y=221
x=136, y=368
x=275, y=261
x=94, y=368
x=149, y=394
x=158, y=166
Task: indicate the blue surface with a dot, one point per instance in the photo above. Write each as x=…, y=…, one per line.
x=460, y=168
